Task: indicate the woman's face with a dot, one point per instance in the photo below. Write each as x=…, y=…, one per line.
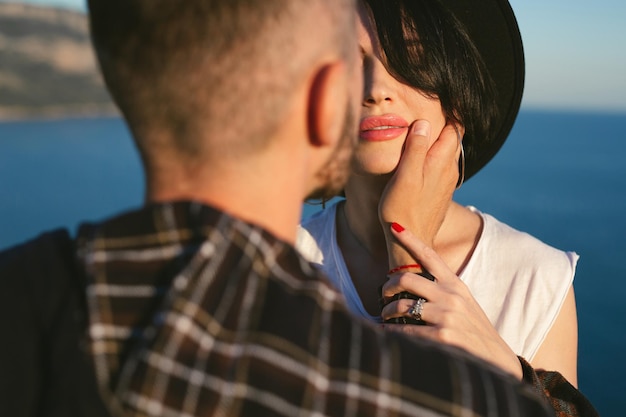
x=389, y=107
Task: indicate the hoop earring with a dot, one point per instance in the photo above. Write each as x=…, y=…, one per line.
x=461, y=159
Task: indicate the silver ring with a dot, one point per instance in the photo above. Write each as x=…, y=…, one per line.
x=416, y=309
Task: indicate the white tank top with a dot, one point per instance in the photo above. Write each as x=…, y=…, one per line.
x=519, y=281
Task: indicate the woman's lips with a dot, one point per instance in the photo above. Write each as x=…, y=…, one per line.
x=381, y=128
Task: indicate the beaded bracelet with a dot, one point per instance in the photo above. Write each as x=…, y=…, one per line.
x=403, y=267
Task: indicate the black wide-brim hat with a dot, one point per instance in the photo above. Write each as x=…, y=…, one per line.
x=492, y=26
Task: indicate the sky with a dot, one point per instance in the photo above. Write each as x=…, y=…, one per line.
x=575, y=52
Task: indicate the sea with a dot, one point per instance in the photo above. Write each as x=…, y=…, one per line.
x=560, y=176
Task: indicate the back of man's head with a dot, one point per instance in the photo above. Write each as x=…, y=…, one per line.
x=222, y=69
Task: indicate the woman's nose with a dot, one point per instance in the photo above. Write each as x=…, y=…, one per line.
x=378, y=85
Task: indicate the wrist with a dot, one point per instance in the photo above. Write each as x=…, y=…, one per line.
x=397, y=255
x=415, y=268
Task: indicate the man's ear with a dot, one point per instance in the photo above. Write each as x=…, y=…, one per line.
x=328, y=101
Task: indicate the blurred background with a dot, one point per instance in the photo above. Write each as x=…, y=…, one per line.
x=66, y=157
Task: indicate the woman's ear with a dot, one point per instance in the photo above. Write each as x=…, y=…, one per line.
x=328, y=103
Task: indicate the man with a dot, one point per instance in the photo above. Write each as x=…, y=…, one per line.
x=197, y=304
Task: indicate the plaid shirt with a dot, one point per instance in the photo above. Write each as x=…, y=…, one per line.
x=564, y=398
x=195, y=313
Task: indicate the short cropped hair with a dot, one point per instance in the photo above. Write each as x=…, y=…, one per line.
x=426, y=47
x=222, y=66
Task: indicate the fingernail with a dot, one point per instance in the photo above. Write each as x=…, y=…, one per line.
x=395, y=226
x=421, y=127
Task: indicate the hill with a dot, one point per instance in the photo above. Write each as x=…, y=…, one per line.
x=47, y=66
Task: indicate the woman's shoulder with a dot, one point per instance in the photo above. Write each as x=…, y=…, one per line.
x=512, y=245
x=512, y=270
x=509, y=261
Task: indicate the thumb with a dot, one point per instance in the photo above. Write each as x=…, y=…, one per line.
x=418, y=137
x=416, y=146
x=421, y=128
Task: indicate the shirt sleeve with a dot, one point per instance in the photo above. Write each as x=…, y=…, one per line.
x=563, y=397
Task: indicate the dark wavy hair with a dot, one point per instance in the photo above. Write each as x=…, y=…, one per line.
x=425, y=47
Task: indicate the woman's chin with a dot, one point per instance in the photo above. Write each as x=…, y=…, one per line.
x=373, y=169
x=374, y=163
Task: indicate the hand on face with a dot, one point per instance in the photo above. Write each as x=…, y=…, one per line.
x=451, y=313
x=424, y=179
x=420, y=191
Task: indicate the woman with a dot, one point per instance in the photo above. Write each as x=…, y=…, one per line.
x=459, y=68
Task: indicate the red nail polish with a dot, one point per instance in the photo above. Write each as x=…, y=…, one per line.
x=395, y=226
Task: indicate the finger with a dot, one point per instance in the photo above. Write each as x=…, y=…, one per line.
x=418, y=139
x=443, y=156
x=429, y=259
x=448, y=144
x=412, y=283
x=401, y=308
x=427, y=332
x=416, y=147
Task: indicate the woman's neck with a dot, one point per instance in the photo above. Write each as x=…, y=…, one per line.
x=362, y=242
x=361, y=216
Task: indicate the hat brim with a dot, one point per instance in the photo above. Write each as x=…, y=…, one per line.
x=492, y=26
